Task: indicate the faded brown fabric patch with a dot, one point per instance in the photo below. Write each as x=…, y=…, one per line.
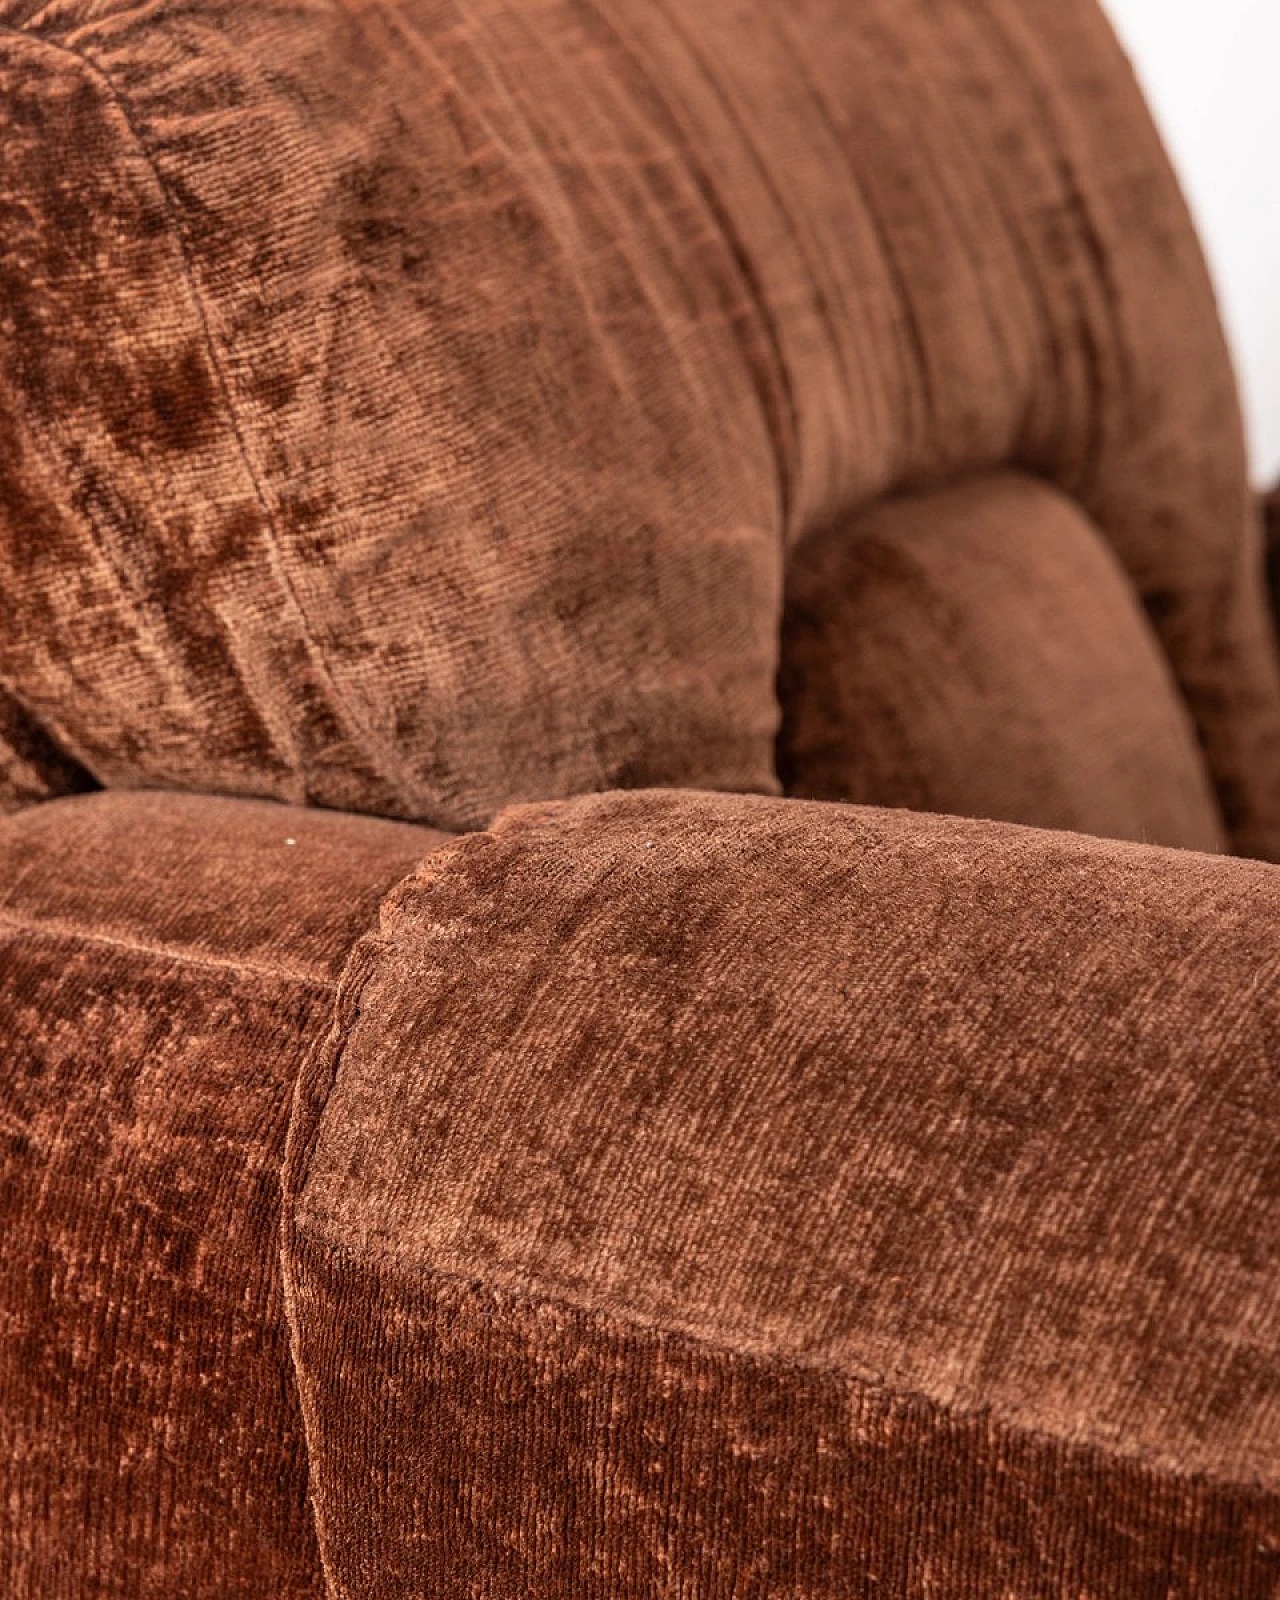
x=406, y=407
x=738, y=1197
x=165, y=964
x=976, y=651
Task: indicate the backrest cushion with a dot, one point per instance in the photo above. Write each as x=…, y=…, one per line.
x=976, y=650
x=408, y=406
x=376, y=428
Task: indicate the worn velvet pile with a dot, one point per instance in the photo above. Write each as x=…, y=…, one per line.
x=756, y=1254
x=164, y=963
x=633, y=478
x=412, y=407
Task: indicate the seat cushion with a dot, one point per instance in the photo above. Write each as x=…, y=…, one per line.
x=977, y=650
x=406, y=407
x=165, y=964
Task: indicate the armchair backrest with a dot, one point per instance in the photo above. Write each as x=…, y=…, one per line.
x=414, y=407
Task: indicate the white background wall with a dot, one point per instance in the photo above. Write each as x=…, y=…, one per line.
x=1212, y=71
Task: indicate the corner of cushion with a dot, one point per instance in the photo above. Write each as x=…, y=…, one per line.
x=447, y=886
x=315, y=1083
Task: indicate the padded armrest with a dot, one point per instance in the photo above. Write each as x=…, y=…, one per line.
x=720, y=1196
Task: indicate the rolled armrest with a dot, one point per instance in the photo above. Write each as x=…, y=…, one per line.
x=720, y=1196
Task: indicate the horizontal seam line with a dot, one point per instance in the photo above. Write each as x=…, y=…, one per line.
x=631, y=1321
x=182, y=955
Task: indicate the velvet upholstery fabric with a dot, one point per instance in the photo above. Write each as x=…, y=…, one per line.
x=412, y=407
x=407, y=407
x=165, y=964
x=976, y=650
x=739, y=1197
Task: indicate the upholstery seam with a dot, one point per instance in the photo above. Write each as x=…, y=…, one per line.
x=295, y=1166
x=778, y=409
x=631, y=1321
x=310, y=1100
x=182, y=955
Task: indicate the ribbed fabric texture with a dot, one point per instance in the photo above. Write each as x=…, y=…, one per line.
x=449, y=410
x=735, y=1197
x=408, y=407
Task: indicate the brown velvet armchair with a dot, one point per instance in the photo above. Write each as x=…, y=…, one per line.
x=640, y=745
